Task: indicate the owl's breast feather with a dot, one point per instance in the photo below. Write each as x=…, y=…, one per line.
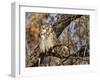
x=42, y=43
x=42, y=37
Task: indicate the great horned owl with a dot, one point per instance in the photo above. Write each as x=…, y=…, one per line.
x=47, y=38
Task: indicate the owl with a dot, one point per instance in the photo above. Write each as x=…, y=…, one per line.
x=47, y=38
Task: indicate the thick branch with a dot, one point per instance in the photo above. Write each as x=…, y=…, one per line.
x=65, y=22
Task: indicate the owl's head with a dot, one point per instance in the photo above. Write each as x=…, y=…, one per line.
x=45, y=28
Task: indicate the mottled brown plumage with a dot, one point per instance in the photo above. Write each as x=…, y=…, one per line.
x=47, y=38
